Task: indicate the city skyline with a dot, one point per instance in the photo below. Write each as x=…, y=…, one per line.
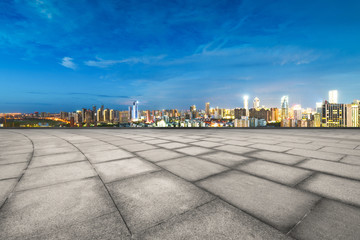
x=61, y=56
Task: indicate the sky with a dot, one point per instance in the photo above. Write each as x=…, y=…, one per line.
x=65, y=55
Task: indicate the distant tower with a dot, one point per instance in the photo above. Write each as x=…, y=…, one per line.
x=246, y=105
x=284, y=107
x=207, y=109
x=333, y=96
x=193, y=111
x=256, y=103
x=134, y=111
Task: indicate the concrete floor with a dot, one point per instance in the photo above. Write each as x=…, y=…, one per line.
x=179, y=184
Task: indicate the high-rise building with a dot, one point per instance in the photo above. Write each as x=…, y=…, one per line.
x=246, y=105
x=239, y=112
x=112, y=115
x=99, y=115
x=297, y=112
x=207, y=109
x=335, y=115
x=256, y=103
x=274, y=112
x=284, y=107
x=333, y=96
x=193, y=112
x=134, y=111
x=106, y=115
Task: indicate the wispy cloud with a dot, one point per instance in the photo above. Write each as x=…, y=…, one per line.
x=80, y=94
x=102, y=63
x=68, y=62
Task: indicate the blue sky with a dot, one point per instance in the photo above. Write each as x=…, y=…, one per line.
x=64, y=55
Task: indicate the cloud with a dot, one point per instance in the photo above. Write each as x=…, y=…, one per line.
x=68, y=62
x=79, y=93
x=102, y=63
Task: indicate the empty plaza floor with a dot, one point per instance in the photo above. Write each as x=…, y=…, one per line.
x=180, y=184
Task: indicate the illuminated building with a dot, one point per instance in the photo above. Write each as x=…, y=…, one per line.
x=260, y=114
x=284, y=107
x=274, y=113
x=106, y=115
x=239, y=113
x=242, y=122
x=148, y=118
x=335, y=115
x=256, y=103
x=124, y=116
x=333, y=96
x=207, y=109
x=193, y=112
x=112, y=115
x=99, y=115
x=319, y=107
x=317, y=120
x=297, y=112
x=246, y=105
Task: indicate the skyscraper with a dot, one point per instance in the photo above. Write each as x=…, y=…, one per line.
x=207, y=109
x=193, y=111
x=246, y=105
x=284, y=107
x=333, y=96
x=256, y=103
x=134, y=111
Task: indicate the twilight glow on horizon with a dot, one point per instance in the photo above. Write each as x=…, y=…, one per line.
x=65, y=55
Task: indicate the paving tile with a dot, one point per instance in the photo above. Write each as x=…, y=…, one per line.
x=156, y=155
x=147, y=200
x=172, y=145
x=48, y=160
x=276, y=172
x=12, y=170
x=97, y=157
x=6, y=152
x=214, y=220
x=18, y=158
x=316, y=154
x=355, y=160
x=156, y=141
x=341, y=151
x=336, y=168
x=241, y=142
x=47, y=209
x=207, y=144
x=194, y=150
x=115, y=170
x=278, y=205
x=49, y=151
x=109, y=226
x=234, y=149
x=39, y=177
x=337, y=188
x=191, y=168
x=138, y=147
x=225, y=158
x=6, y=186
x=277, y=157
x=123, y=142
x=301, y=145
x=275, y=148
x=97, y=148
x=330, y=220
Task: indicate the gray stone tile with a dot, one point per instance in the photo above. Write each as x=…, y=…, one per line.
x=138, y=147
x=276, y=172
x=207, y=144
x=47, y=209
x=269, y=147
x=60, y=158
x=172, y=145
x=316, y=154
x=191, y=168
x=109, y=226
x=7, y=152
x=301, y=145
x=18, y=158
x=194, y=150
x=355, y=160
x=102, y=147
x=39, y=177
x=156, y=141
x=241, y=142
x=214, y=220
x=49, y=151
x=330, y=220
x=156, y=155
x=6, y=186
x=12, y=170
x=147, y=200
x=278, y=205
x=97, y=157
x=337, y=188
x=341, y=150
x=115, y=170
x=336, y=168
x=277, y=157
x=225, y=158
x=234, y=149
